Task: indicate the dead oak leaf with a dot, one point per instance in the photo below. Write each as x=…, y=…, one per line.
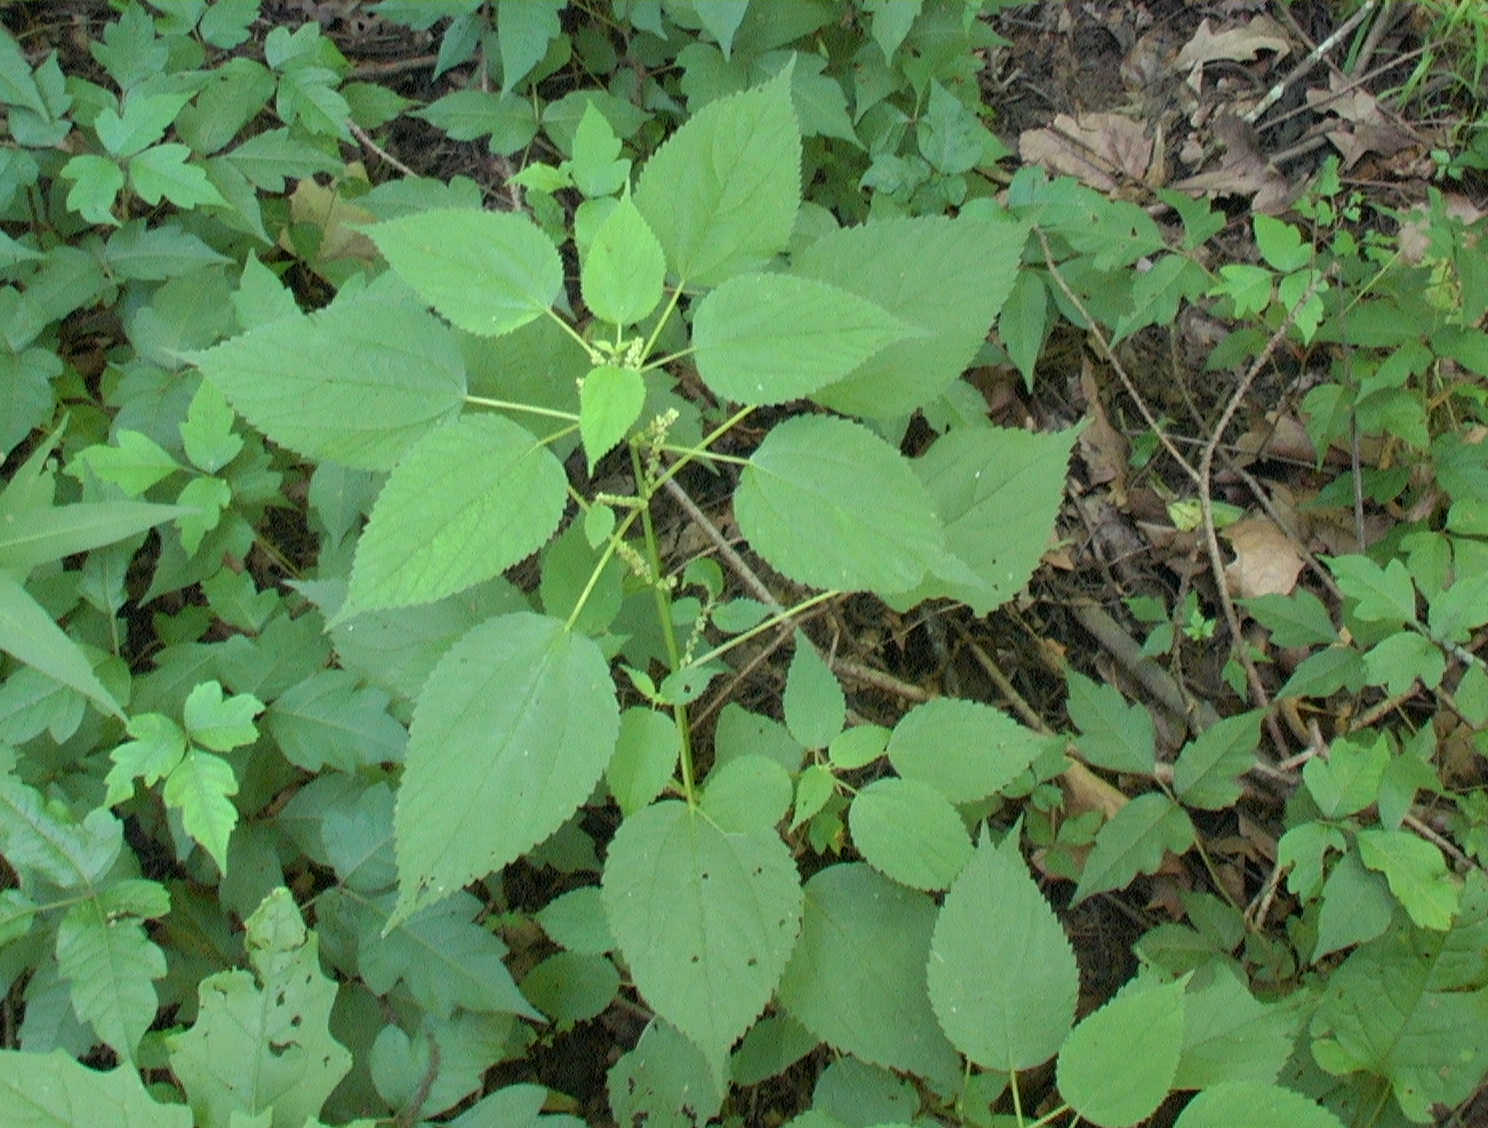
x=1103, y=150
x=1237, y=44
x=1242, y=171
x=1266, y=559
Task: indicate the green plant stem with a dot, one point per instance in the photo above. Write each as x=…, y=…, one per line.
x=530, y=409
x=666, y=315
x=760, y=628
x=668, y=631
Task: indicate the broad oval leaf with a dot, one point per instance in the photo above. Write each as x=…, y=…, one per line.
x=610, y=401
x=1244, y=1104
x=910, y=832
x=624, y=269
x=908, y=266
x=358, y=382
x=705, y=919
x=468, y=502
x=997, y=491
x=830, y=504
x=769, y=338
x=510, y=734
x=964, y=749
x=487, y=272
x=1002, y=975
x=722, y=193
x=1119, y=1063
x=1134, y=842
x=857, y=976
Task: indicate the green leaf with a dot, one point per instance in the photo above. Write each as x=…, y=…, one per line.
x=598, y=170
x=199, y=787
x=665, y=1082
x=1157, y=294
x=645, y=758
x=576, y=921
x=162, y=173
x=910, y=832
x=747, y=794
x=467, y=502
x=156, y=749
x=798, y=504
x=207, y=431
x=769, y=338
x=157, y=253
x=17, y=84
x=1384, y=595
x=1113, y=735
x=487, y=272
x=329, y=719
x=266, y=159
x=1356, y=906
x=721, y=193
x=948, y=133
x=28, y=634
x=1249, y=287
x=1281, y=244
x=964, y=749
x=1002, y=975
x=1348, y=779
x=856, y=979
x=134, y=465
x=1119, y=1062
x=1417, y=874
x=466, y=115
x=97, y=182
x=1024, y=322
x=974, y=257
x=261, y=1042
x=523, y=32
x=997, y=493
x=109, y=963
x=43, y=534
x=1229, y=1036
x=1244, y=1104
x=221, y=724
x=624, y=269
x=569, y=987
x=1134, y=842
x=445, y=959
x=512, y=731
x=705, y=919
x=814, y=705
x=858, y=747
x=54, y=1091
x=1397, y=661
x=144, y=120
x=358, y=382
x=207, y=497
x=610, y=401
x=1299, y=619
x=1207, y=773
x=721, y=18
x=1410, y=1007
x=42, y=839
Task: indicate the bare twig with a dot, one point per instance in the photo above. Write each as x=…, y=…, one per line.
x=1314, y=57
x=1206, y=503
x=366, y=139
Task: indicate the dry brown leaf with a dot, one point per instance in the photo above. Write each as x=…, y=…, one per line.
x=1086, y=791
x=1102, y=150
x=1266, y=559
x=1243, y=171
x=1413, y=230
x=1103, y=448
x=1356, y=124
x=1238, y=44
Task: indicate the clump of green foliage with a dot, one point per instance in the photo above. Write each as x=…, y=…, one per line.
x=346, y=743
